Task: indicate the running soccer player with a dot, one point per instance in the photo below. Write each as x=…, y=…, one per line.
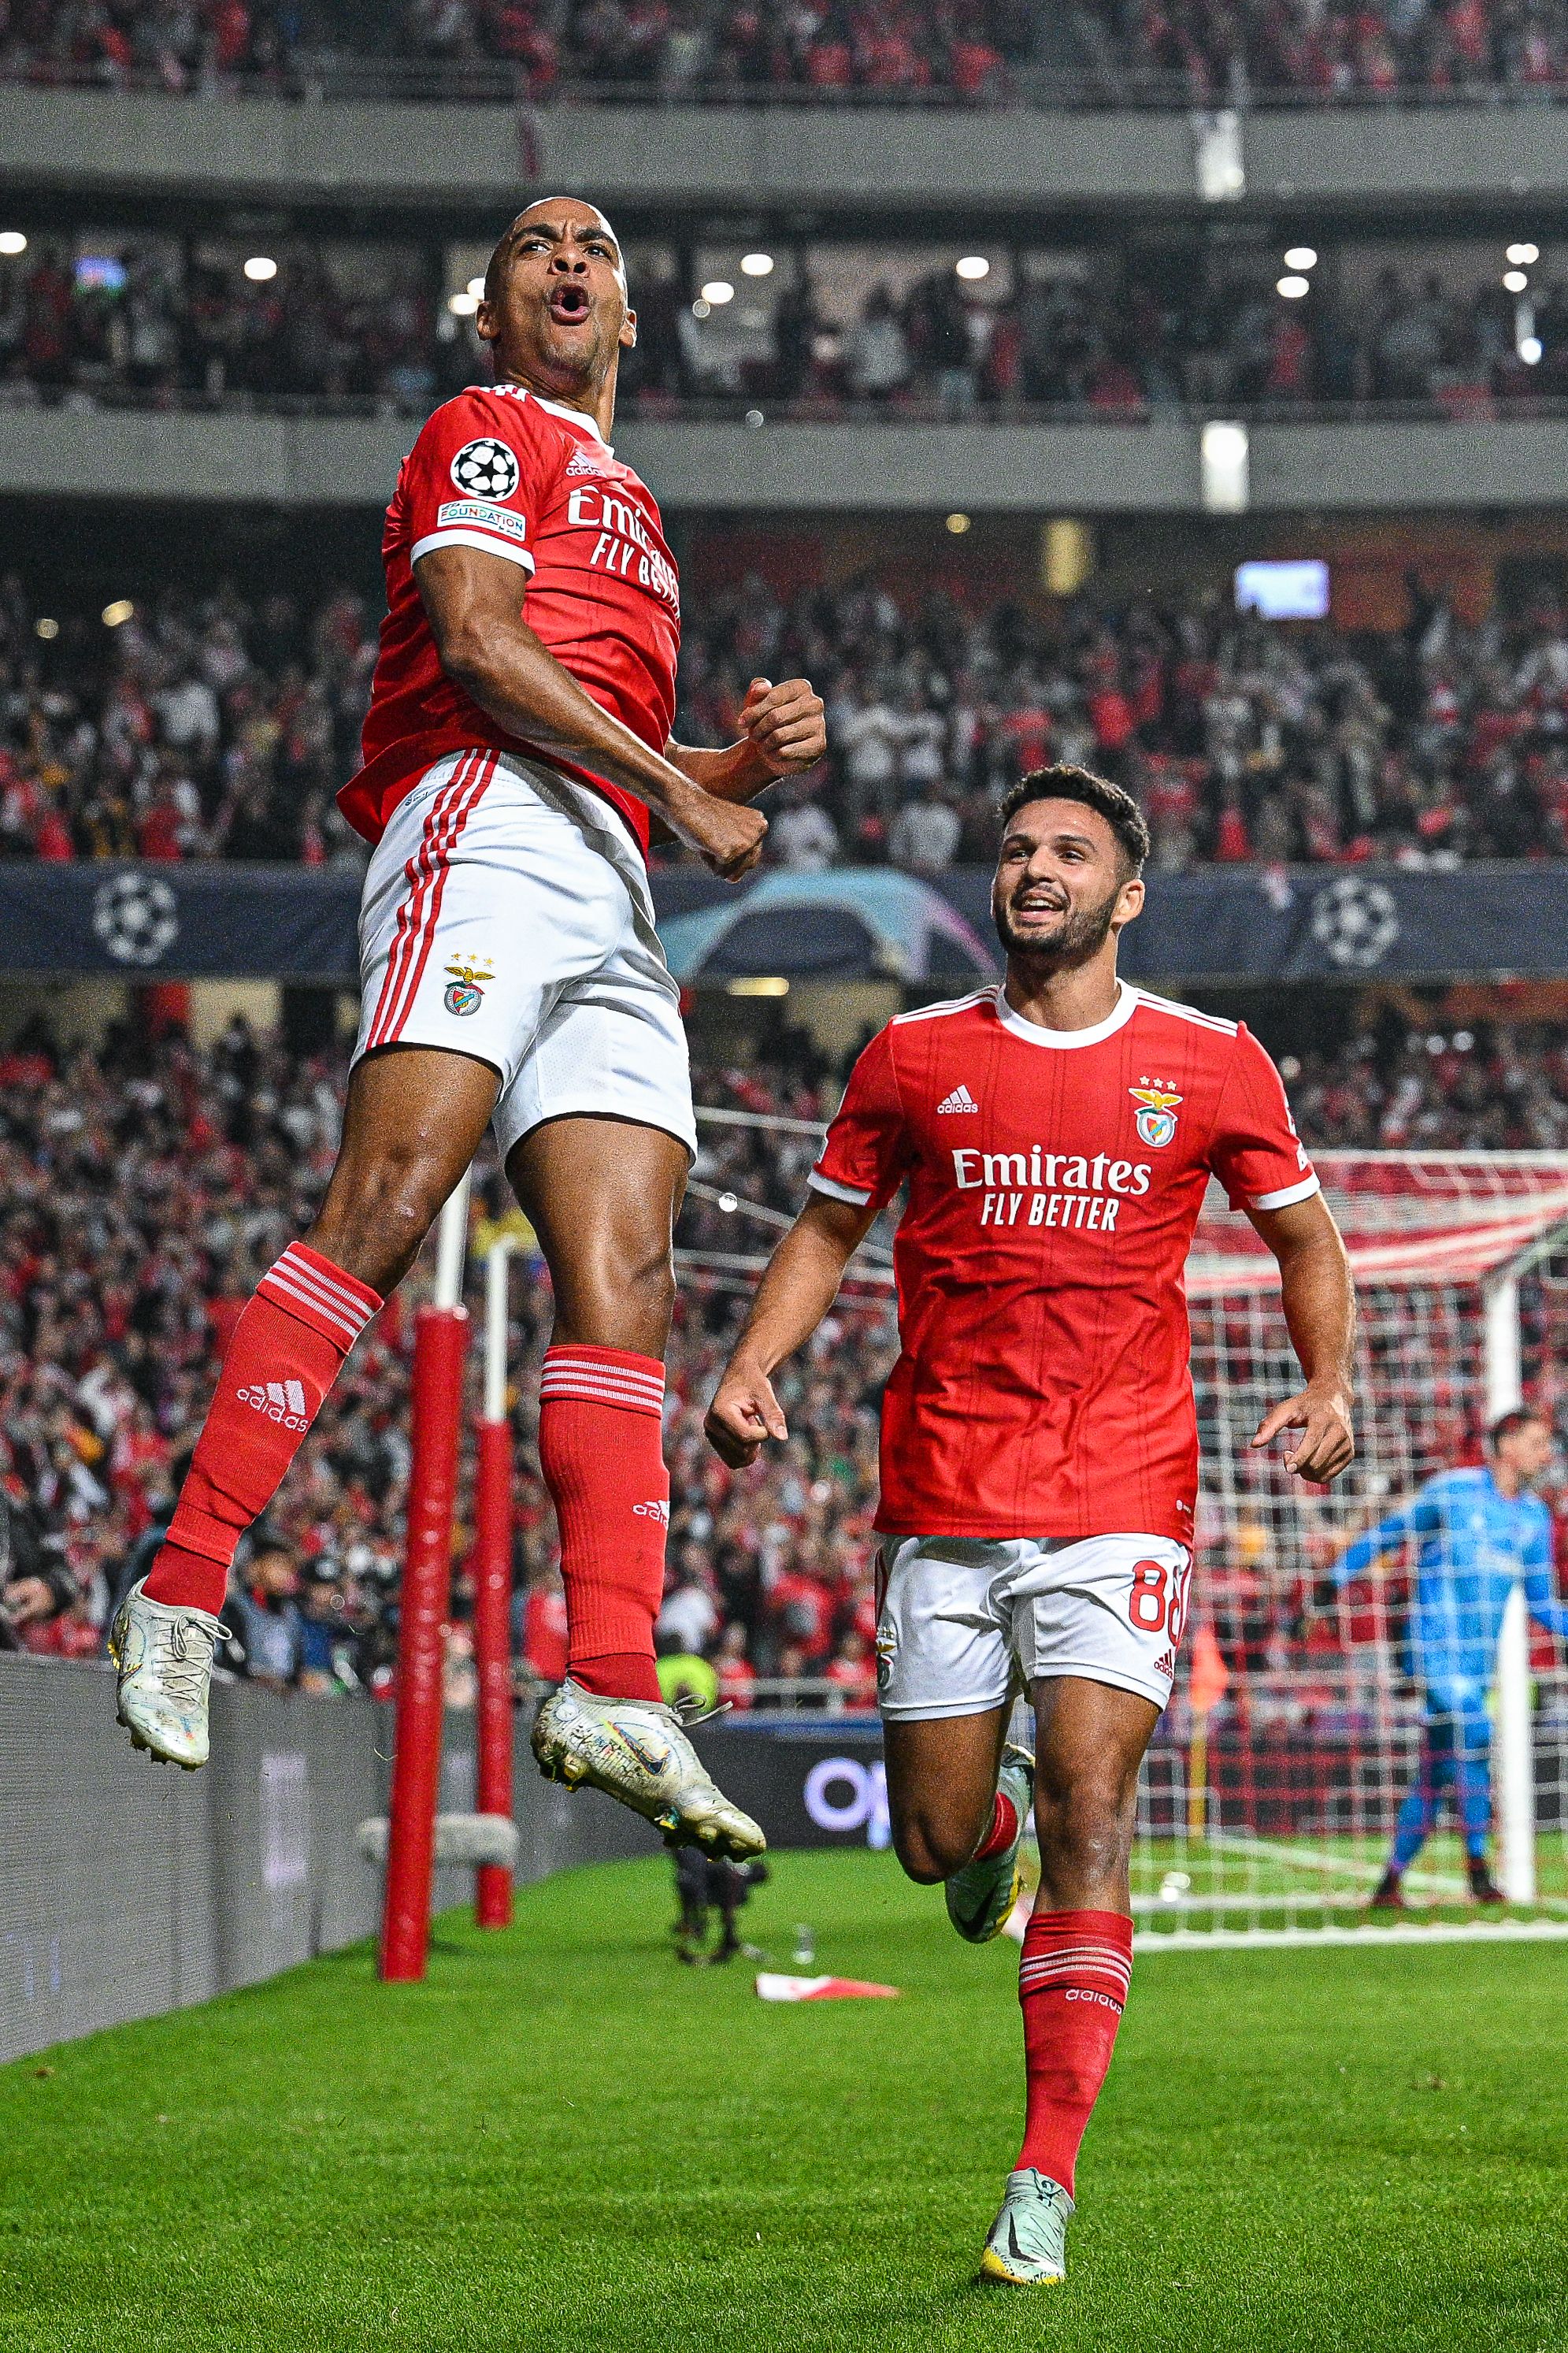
x=517, y=742
x=1039, y=1439
x=1478, y=1532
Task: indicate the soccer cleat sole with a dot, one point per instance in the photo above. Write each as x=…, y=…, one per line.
x=993, y=2269
x=573, y=1774
x=140, y=1740
x=989, y=1935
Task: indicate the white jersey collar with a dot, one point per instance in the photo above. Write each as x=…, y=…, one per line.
x=1037, y=1035
x=584, y=423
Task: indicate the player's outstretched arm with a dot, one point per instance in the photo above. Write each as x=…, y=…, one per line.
x=1320, y=1311
x=794, y=1295
x=783, y=732
x=487, y=648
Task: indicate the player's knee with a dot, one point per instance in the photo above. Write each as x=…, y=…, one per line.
x=1085, y=1834
x=932, y=1847
x=374, y=1226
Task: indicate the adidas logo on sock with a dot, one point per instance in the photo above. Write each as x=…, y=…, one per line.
x=283, y=1401
x=959, y=1099
x=659, y=1512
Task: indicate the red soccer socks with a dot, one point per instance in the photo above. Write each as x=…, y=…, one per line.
x=287, y=1349
x=1003, y=1829
x=1072, y=1983
x=601, y=1449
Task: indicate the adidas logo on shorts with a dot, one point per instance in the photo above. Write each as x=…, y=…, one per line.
x=959, y=1099
x=281, y=1401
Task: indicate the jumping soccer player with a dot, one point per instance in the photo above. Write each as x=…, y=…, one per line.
x=1479, y=1532
x=517, y=740
x=1040, y=1440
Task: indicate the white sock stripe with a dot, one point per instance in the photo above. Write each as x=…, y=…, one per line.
x=557, y=1361
x=620, y=1382
x=336, y=1287
x=593, y=1394
x=1096, y=1956
x=1073, y=1970
x=309, y=1286
x=283, y=1292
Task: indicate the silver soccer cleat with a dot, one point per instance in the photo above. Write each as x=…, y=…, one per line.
x=1027, y=2244
x=164, y=1655
x=637, y=1750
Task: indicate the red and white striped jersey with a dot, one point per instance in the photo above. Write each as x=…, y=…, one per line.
x=533, y=484
x=1055, y=1178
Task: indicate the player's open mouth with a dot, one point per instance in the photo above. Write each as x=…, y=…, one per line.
x=569, y=305
x=1039, y=902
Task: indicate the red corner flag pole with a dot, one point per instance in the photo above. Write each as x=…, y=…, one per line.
x=440, y=1339
x=492, y=1592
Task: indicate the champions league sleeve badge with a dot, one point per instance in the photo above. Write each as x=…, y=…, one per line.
x=465, y=992
x=1157, y=1120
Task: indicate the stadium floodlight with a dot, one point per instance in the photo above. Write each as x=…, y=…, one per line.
x=1515, y=280
x=757, y=265
x=1531, y=350
x=1522, y=255
x=434, y=1428
x=717, y=293
x=973, y=266
x=492, y=1590
x=476, y=288
x=1293, y=288
x=261, y=269
x=117, y=612
x=462, y=306
x=958, y=523
x=1301, y=256
x=12, y=242
x=47, y=628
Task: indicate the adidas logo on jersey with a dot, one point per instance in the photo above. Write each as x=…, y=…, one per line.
x=659, y=1512
x=579, y=463
x=281, y=1401
x=959, y=1099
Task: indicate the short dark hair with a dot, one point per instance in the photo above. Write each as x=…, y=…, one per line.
x=1518, y=1416
x=1119, y=810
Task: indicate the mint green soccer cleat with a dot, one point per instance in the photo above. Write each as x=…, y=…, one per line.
x=1027, y=2244
x=637, y=1750
x=980, y=1897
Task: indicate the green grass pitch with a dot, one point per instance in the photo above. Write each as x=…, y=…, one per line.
x=564, y=2140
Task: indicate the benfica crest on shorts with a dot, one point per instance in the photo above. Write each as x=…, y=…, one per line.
x=1157, y=1120
x=465, y=990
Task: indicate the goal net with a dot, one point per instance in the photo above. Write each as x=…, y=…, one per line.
x=1271, y=1791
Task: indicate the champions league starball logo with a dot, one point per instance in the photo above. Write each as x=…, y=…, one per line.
x=137, y=918
x=465, y=991
x=485, y=468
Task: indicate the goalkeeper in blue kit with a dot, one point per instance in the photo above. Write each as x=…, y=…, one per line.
x=1477, y=1533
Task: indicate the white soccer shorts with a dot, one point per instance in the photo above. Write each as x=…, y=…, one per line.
x=956, y=1613
x=506, y=914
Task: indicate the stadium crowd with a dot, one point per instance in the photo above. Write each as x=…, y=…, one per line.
x=966, y=51
x=146, y=1185
x=1119, y=338
x=216, y=727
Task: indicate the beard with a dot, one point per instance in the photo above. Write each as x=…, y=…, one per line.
x=1082, y=932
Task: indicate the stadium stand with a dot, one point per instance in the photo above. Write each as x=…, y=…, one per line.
x=122, y=316
x=218, y=727
x=1114, y=52
x=146, y=1185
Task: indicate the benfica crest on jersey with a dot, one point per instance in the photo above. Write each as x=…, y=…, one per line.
x=1157, y=1120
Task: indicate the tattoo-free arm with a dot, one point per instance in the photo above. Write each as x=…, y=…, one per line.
x=799, y=1287
x=487, y=648
x=1320, y=1315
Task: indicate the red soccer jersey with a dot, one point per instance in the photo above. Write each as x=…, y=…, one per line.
x=534, y=482
x=1055, y=1178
